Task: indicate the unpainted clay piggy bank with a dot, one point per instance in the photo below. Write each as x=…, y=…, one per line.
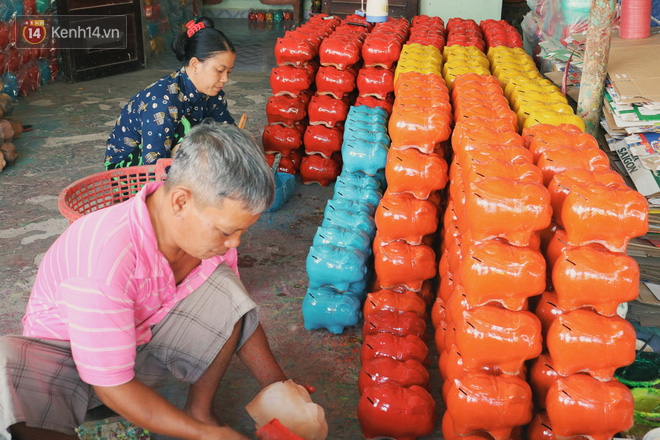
x=417, y=127
x=335, y=82
x=501, y=402
x=400, y=263
x=400, y=324
x=400, y=348
x=362, y=155
x=493, y=336
x=324, y=109
x=374, y=81
x=505, y=208
x=404, y=217
x=392, y=411
x=594, y=213
x=325, y=307
x=411, y=171
x=285, y=110
x=350, y=220
x=492, y=271
x=318, y=169
x=350, y=238
x=281, y=139
x=385, y=370
x=581, y=405
x=292, y=405
x=562, y=183
x=322, y=140
x=541, y=377
x=398, y=302
x=338, y=267
x=289, y=80
x=582, y=340
x=588, y=276
x=367, y=196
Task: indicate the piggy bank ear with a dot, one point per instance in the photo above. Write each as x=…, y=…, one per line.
x=292, y=405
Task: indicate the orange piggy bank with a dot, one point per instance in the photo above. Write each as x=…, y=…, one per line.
x=580, y=405
x=541, y=377
x=411, y=171
x=492, y=336
x=556, y=160
x=399, y=302
x=501, y=402
x=404, y=217
x=506, y=208
x=492, y=271
x=609, y=216
x=400, y=263
x=582, y=340
x=589, y=276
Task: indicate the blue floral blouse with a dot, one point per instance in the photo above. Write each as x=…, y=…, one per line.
x=151, y=122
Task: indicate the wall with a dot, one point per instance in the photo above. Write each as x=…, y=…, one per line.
x=239, y=8
x=476, y=9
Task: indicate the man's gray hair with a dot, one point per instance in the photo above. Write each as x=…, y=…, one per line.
x=218, y=161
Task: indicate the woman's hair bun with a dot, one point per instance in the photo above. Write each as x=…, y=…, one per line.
x=202, y=44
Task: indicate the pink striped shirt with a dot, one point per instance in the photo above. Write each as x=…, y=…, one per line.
x=103, y=284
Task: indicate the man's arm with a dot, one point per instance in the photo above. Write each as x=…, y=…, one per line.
x=257, y=356
x=144, y=407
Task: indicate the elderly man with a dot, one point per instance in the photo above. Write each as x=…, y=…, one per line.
x=148, y=287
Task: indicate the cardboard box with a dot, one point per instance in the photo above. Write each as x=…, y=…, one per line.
x=634, y=68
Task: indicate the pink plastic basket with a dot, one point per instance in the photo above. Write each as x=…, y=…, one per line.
x=108, y=188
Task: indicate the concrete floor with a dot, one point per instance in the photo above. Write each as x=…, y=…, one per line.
x=72, y=123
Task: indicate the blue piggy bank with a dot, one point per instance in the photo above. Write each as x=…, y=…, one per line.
x=357, y=179
x=350, y=205
x=362, y=113
x=361, y=155
x=350, y=220
x=355, y=193
x=334, y=266
x=376, y=135
x=325, y=307
x=380, y=177
x=343, y=238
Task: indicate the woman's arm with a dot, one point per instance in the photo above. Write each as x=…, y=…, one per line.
x=144, y=407
x=218, y=109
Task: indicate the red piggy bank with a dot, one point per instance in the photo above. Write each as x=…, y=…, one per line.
x=385, y=370
x=492, y=271
x=589, y=276
x=318, y=169
x=285, y=110
x=289, y=80
x=501, y=402
x=370, y=101
x=400, y=348
x=610, y=216
x=335, y=82
x=582, y=340
x=380, y=51
x=375, y=81
x=404, y=217
x=491, y=336
x=281, y=139
x=392, y=411
x=398, y=302
x=580, y=405
x=324, y=109
x=401, y=263
x=414, y=172
x=322, y=140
